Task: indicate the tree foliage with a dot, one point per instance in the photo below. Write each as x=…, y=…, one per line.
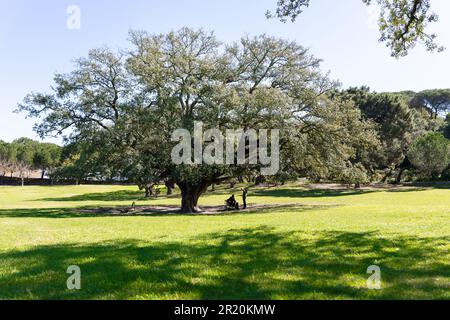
x=402, y=23
x=430, y=154
x=24, y=155
x=447, y=127
x=394, y=123
x=436, y=101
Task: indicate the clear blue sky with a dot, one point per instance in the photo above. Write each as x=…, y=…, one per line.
x=35, y=42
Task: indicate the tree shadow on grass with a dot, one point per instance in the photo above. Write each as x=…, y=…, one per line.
x=150, y=211
x=254, y=263
x=42, y=213
x=330, y=193
x=431, y=185
x=306, y=193
x=129, y=195
x=122, y=195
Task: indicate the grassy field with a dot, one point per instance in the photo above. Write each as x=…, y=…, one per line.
x=317, y=246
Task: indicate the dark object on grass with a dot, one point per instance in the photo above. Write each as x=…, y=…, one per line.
x=128, y=210
x=232, y=204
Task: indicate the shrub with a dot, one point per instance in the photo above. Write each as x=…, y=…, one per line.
x=430, y=155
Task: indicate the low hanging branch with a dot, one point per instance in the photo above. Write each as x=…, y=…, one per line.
x=402, y=23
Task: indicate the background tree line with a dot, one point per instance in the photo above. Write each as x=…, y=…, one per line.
x=412, y=130
x=22, y=156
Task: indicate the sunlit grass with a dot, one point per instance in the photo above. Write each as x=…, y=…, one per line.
x=318, y=246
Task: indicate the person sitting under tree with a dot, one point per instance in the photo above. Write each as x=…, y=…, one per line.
x=232, y=203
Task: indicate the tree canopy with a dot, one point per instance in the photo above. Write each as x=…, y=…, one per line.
x=436, y=101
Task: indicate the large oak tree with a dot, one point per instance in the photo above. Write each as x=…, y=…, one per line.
x=128, y=105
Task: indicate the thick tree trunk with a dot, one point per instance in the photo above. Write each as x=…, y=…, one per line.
x=398, y=180
x=386, y=176
x=170, y=185
x=148, y=191
x=405, y=165
x=190, y=194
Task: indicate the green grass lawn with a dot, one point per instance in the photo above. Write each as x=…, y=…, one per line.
x=317, y=246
